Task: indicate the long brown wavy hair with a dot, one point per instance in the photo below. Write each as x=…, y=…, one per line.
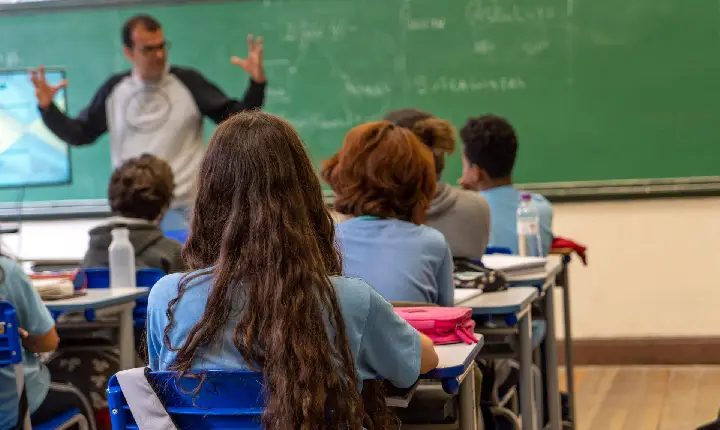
x=382, y=170
x=260, y=226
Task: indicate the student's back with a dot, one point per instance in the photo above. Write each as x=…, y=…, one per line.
x=383, y=178
x=139, y=193
x=490, y=148
x=402, y=261
x=34, y=318
x=264, y=288
x=378, y=340
x=463, y=217
x=504, y=202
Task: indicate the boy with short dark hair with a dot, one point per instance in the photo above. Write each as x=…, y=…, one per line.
x=139, y=193
x=489, y=151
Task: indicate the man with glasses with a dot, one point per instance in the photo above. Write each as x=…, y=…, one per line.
x=154, y=108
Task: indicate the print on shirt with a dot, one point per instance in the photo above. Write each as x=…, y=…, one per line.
x=147, y=110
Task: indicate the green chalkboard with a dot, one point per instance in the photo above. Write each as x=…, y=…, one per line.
x=598, y=90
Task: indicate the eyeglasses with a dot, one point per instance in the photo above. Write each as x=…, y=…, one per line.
x=151, y=49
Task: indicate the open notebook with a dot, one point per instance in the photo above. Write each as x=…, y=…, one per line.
x=514, y=264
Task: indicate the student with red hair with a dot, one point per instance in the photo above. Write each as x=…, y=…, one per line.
x=384, y=180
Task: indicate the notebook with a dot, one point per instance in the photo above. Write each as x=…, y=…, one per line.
x=514, y=264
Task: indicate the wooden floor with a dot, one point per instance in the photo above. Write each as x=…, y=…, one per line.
x=646, y=398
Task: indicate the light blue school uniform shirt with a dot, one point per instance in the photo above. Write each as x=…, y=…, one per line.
x=504, y=202
x=35, y=318
x=383, y=345
x=402, y=261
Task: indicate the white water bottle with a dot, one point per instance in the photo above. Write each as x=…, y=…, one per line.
x=122, y=259
x=528, y=228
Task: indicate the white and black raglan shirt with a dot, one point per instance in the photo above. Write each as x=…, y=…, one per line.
x=163, y=118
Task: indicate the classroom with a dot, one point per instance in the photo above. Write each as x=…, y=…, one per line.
x=471, y=214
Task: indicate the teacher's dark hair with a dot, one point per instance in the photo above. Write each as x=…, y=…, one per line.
x=260, y=227
x=146, y=21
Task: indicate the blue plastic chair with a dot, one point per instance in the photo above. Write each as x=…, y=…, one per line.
x=99, y=277
x=497, y=250
x=11, y=355
x=227, y=399
x=179, y=235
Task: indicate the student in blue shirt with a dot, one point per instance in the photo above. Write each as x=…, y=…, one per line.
x=46, y=400
x=383, y=178
x=265, y=290
x=489, y=150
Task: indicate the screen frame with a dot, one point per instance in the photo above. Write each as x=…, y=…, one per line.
x=64, y=96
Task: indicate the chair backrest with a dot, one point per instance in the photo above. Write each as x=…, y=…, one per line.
x=99, y=277
x=10, y=343
x=179, y=235
x=411, y=304
x=225, y=399
x=11, y=351
x=497, y=250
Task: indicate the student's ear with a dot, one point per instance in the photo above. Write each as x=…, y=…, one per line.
x=472, y=178
x=162, y=214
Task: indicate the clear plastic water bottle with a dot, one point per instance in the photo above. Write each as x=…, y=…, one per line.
x=528, y=228
x=122, y=258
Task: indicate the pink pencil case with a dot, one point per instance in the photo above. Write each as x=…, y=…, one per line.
x=442, y=325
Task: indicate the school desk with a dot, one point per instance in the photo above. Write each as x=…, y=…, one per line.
x=119, y=301
x=513, y=305
x=456, y=373
x=544, y=281
x=564, y=283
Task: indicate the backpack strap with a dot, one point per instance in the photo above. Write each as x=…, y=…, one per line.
x=23, y=416
x=145, y=406
x=141, y=251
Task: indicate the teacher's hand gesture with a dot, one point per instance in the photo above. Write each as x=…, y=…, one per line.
x=253, y=64
x=44, y=92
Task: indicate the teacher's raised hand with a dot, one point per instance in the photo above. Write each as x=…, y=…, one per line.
x=253, y=64
x=44, y=92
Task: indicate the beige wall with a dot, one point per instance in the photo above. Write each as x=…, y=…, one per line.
x=653, y=267
x=653, y=264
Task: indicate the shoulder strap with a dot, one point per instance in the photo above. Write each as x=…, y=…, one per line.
x=23, y=416
x=145, y=406
x=140, y=251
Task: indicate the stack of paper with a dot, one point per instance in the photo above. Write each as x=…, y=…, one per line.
x=514, y=264
x=54, y=288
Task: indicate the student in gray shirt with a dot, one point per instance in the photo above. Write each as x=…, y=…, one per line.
x=154, y=108
x=463, y=217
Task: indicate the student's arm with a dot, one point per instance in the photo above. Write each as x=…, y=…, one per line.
x=428, y=357
x=44, y=343
x=90, y=124
x=391, y=349
x=444, y=277
x=545, y=212
x=34, y=318
x=155, y=326
x=212, y=102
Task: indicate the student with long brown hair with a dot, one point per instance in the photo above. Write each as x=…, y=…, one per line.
x=384, y=179
x=265, y=292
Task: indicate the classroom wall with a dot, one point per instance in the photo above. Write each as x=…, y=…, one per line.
x=651, y=264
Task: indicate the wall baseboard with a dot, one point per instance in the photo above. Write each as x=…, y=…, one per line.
x=644, y=351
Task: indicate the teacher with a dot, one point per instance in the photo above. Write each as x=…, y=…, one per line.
x=154, y=108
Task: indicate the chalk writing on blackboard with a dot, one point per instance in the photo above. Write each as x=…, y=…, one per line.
x=447, y=84
x=484, y=12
